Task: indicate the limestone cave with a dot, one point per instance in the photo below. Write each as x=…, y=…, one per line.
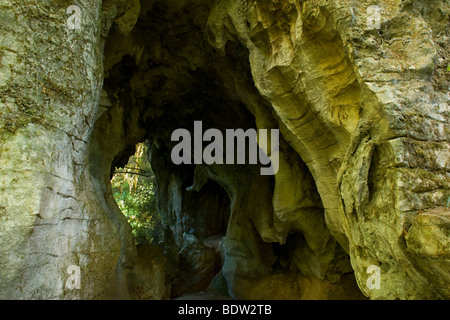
x=363, y=155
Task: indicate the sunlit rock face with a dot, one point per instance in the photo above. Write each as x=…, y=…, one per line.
x=363, y=180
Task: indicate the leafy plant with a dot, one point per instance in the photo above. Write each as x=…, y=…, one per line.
x=134, y=192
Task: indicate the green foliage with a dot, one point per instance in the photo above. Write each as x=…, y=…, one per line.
x=133, y=190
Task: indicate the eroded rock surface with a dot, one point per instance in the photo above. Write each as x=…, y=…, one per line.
x=364, y=155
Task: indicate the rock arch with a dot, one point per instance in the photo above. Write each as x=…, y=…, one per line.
x=364, y=153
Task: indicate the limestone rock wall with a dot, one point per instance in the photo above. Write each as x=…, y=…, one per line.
x=364, y=153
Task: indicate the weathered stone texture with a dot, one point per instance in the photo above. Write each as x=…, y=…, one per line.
x=364, y=152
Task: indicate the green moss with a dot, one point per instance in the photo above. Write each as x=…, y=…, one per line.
x=13, y=124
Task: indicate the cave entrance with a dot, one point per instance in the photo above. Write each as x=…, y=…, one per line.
x=178, y=220
x=146, y=97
